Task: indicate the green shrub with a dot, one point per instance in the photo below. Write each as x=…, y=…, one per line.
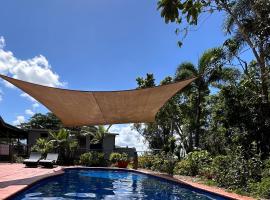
x=116, y=157
x=266, y=168
x=42, y=146
x=163, y=163
x=18, y=159
x=194, y=163
x=184, y=167
x=221, y=170
x=235, y=172
x=145, y=161
x=261, y=189
x=92, y=159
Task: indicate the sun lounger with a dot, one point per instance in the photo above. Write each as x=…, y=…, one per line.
x=50, y=160
x=33, y=159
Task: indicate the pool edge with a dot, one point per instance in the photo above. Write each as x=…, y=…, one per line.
x=209, y=189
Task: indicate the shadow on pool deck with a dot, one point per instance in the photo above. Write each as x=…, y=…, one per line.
x=15, y=177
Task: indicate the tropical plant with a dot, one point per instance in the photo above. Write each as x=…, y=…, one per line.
x=210, y=71
x=93, y=159
x=63, y=143
x=42, y=146
x=116, y=157
x=97, y=133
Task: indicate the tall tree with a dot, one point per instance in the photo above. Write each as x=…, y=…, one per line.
x=210, y=70
x=43, y=121
x=246, y=21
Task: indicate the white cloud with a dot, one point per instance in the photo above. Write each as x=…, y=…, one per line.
x=129, y=137
x=35, y=105
x=19, y=119
x=29, y=112
x=27, y=96
x=35, y=70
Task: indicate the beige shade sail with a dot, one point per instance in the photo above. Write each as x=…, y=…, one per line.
x=77, y=108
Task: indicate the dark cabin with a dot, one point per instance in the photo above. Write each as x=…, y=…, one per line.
x=13, y=141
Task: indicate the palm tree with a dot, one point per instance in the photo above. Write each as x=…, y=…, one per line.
x=210, y=70
x=63, y=144
x=98, y=133
x=43, y=146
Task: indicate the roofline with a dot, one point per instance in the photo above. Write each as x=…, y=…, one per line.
x=113, y=133
x=10, y=126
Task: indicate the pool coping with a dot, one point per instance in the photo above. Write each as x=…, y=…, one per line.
x=212, y=190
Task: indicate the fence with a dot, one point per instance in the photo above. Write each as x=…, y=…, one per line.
x=9, y=152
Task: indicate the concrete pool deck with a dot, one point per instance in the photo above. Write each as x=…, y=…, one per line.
x=16, y=177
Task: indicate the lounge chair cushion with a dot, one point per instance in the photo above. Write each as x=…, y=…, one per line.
x=34, y=158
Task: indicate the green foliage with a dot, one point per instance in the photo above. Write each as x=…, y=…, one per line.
x=18, y=159
x=234, y=171
x=116, y=157
x=98, y=135
x=261, y=189
x=162, y=162
x=63, y=144
x=195, y=163
x=42, y=146
x=93, y=159
x=145, y=161
x=43, y=121
x=266, y=168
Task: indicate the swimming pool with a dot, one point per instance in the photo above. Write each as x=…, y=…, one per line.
x=110, y=184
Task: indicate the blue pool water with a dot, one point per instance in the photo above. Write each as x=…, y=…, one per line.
x=85, y=184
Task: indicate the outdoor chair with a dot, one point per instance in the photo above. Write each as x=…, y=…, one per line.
x=33, y=159
x=50, y=160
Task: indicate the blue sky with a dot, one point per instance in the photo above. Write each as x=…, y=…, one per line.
x=90, y=45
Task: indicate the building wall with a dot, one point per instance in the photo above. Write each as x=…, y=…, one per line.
x=34, y=134
x=108, y=145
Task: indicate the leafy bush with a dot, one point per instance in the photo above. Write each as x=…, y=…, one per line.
x=194, y=163
x=266, y=168
x=93, y=159
x=42, y=146
x=18, y=159
x=145, y=161
x=116, y=157
x=234, y=171
x=261, y=189
x=163, y=163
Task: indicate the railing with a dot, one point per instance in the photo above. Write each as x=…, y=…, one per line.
x=9, y=152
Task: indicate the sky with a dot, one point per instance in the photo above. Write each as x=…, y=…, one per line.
x=91, y=45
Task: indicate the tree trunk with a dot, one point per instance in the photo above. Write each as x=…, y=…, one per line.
x=197, y=119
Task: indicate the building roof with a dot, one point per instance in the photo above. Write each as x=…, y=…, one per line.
x=77, y=108
x=11, y=131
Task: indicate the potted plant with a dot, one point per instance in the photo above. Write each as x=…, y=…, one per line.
x=120, y=159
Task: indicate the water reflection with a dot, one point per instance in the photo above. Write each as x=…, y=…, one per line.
x=104, y=184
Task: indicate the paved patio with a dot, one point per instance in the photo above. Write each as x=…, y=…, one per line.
x=15, y=177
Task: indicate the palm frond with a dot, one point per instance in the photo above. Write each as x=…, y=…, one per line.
x=169, y=9
x=185, y=70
